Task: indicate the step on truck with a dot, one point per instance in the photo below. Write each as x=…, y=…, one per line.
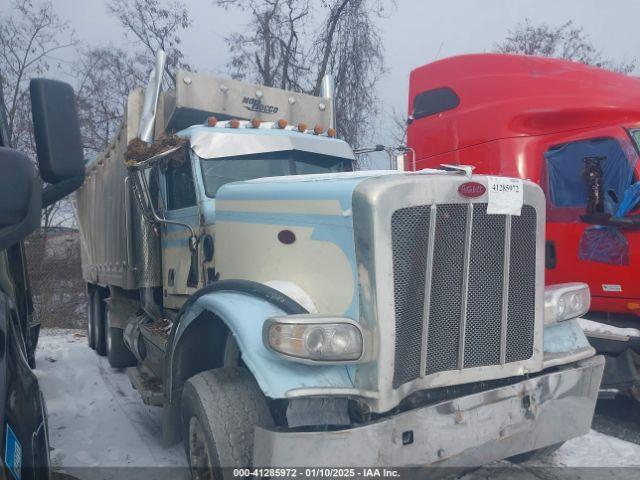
x=284, y=310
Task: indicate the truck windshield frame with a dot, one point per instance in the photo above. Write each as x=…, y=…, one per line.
x=217, y=172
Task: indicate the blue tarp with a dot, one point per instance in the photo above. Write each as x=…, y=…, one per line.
x=629, y=200
x=565, y=164
x=604, y=245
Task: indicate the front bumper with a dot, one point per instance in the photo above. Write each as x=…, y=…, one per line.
x=468, y=431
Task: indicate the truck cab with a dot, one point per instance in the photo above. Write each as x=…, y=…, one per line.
x=189, y=181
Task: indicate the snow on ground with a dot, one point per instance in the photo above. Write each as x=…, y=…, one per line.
x=97, y=419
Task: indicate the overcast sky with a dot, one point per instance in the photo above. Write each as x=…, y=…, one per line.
x=419, y=31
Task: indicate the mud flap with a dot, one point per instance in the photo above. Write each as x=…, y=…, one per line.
x=620, y=371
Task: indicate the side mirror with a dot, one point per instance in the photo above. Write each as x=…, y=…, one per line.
x=20, y=197
x=58, y=141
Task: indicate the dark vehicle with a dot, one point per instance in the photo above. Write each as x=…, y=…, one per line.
x=24, y=444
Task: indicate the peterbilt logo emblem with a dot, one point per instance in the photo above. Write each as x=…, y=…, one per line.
x=256, y=105
x=471, y=189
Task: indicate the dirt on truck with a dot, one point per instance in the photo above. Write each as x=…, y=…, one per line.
x=285, y=310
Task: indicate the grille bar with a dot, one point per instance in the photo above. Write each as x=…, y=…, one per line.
x=465, y=284
x=505, y=290
x=427, y=288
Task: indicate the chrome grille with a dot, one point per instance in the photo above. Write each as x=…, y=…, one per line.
x=481, y=294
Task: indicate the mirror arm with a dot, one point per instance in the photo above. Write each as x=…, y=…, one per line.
x=52, y=193
x=193, y=241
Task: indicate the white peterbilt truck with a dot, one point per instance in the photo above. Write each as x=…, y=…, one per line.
x=284, y=310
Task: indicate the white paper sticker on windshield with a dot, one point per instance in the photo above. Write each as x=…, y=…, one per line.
x=505, y=195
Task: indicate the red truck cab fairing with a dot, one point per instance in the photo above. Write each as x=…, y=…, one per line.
x=539, y=119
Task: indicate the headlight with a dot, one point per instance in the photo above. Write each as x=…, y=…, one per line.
x=315, y=338
x=565, y=301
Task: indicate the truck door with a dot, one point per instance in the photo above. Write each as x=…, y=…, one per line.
x=180, y=277
x=586, y=181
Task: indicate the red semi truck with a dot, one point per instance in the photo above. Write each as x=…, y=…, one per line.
x=575, y=130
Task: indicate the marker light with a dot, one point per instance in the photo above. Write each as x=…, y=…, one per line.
x=302, y=127
x=331, y=133
x=235, y=123
x=312, y=338
x=318, y=130
x=282, y=123
x=255, y=122
x=212, y=121
x=566, y=301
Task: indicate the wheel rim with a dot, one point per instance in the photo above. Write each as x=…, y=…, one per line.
x=199, y=459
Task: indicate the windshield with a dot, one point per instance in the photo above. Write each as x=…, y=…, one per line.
x=218, y=171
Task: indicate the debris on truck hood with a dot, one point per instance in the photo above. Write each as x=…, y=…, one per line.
x=138, y=151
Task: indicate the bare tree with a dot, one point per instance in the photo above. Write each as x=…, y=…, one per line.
x=156, y=25
x=292, y=45
x=348, y=45
x=272, y=53
x=31, y=36
x=565, y=41
x=106, y=75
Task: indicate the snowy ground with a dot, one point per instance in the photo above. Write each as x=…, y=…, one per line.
x=96, y=419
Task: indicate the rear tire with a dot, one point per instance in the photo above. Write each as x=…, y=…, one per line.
x=118, y=353
x=99, y=308
x=91, y=336
x=538, y=454
x=221, y=409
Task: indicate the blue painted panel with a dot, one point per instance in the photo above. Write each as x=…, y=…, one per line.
x=564, y=337
x=245, y=316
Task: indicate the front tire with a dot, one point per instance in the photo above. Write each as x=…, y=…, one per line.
x=220, y=410
x=118, y=354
